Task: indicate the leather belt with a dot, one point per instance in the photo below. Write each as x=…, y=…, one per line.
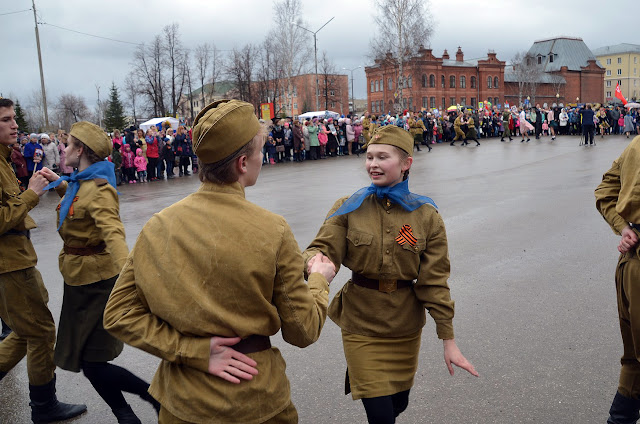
x=25, y=233
x=85, y=251
x=635, y=226
x=252, y=344
x=383, y=285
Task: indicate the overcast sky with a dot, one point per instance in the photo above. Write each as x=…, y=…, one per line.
x=75, y=63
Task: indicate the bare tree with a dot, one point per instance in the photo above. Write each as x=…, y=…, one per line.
x=240, y=70
x=131, y=93
x=527, y=74
x=402, y=27
x=178, y=63
x=71, y=108
x=217, y=66
x=268, y=85
x=147, y=72
x=190, y=87
x=203, y=55
x=34, y=110
x=327, y=79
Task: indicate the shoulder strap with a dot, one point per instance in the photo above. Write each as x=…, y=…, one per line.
x=100, y=181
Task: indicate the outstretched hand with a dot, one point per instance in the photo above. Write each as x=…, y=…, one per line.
x=322, y=264
x=228, y=364
x=453, y=356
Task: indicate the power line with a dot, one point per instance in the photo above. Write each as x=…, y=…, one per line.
x=90, y=35
x=11, y=13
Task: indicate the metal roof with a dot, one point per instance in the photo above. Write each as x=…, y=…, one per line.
x=570, y=52
x=617, y=49
x=543, y=78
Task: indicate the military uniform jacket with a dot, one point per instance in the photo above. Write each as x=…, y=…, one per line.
x=16, y=251
x=416, y=127
x=93, y=218
x=366, y=241
x=618, y=195
x=457, y=123
x=216, y=264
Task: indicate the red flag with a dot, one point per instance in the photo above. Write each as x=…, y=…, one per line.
x=619, y=94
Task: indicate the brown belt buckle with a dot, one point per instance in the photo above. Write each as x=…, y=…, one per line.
x=387, y=286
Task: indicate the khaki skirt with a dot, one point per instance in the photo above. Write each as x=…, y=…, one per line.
x=380, y=366
x=81, y=336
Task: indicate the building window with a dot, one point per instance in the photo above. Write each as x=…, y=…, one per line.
x=432, y=81
x=619, y=71
x=424, y=81
x=619, y=60
x=635, y=59
x=452, y=101
x=389, y=84
x=332, y=93
x=496, y=101
x=410, y=103
x=608, y=72
x=489, y=82
x=410, y=84
x=372, y=86
x=634, y=71
x=463, y=81
x=495, y=82
x=432, y=102
x=442, y=81
x=373, y=107
x=452, y=81
x=619, y=82
x=404, y=102
x=551, y=58
x=473, y=101
x=609, y=61
x=539, y=61
x=608, y=93
x=381, y=85
x=608, y=83
x=377, y=85
x=444, y=103
x=473, y=82
x=425, y=102
x=295, y=105
x=463, y=101
x=333, y=104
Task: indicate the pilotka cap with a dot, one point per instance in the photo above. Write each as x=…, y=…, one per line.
x=222, y=128
x=394, y=136
x=93, y=136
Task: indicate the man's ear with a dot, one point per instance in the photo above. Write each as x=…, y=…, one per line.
x=241, y=165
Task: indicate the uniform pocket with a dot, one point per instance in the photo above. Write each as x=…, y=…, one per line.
x=359, y=238
x=421, y=244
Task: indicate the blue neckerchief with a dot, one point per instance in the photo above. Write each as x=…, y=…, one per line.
x=103, y=169
x=398, y=193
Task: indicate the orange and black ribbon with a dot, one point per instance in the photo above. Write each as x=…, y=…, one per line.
x=406, y=236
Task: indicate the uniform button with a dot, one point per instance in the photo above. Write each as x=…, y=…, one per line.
x=388, y=211
x=388, y=251
x=388, y=231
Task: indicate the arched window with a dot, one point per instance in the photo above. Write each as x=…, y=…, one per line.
x=489, y=82
x=442, y=81
x=372, y=87
x=410, y=82
x=381, y=85
x=424, y=81
x=389, y=84
x=378, y=85
x=452, y=81
x=495, y=82
x=463, y=81
x=473, y=82
x=432, y=81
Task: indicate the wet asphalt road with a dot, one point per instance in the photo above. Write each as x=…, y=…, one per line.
x=532, y=267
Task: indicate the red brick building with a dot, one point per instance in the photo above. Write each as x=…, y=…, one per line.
x=435, y=82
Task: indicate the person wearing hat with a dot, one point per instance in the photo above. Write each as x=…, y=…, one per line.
x=395, y=245
x=34, y=154
x=236, y=273
x=94, y=252
x=23, y=296
x=457, y=127
x=417, y=130
x=617, y=198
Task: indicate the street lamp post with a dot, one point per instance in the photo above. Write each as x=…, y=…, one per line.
x=353, y=101
x=315, y=49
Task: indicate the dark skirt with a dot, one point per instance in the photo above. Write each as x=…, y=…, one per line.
x=81, y=335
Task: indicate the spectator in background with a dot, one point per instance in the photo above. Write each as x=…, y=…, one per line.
x=141, y=166
x=298, y=141
x=629, y=125
x=65, y=170
x=20, y=166
x=128, y=165
x=116, y=158
x=33, y=153
x=51, y=155
x=117, y=138
x=169, y=157
x=183, y=151
x=588, y=125
x=153, y=154
x=306, y=154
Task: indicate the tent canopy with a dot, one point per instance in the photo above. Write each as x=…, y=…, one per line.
x=323, y=114
x=157, y=122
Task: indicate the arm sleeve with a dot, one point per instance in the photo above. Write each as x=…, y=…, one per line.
x=302, y=308
x=128, y=317
x=331, y=239
x=16, y=208
x=105, y=212
x=431, y=287
x=607, y=198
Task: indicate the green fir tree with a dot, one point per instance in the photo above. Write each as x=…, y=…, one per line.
x=20, y=119
x=114, y=115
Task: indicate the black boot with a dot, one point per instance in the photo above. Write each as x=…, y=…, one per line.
x=624, y=410
x=2, y=374
x=5, y=330
x=453, y=143
x=477, y=143
x=45, y=407
x=125, y=415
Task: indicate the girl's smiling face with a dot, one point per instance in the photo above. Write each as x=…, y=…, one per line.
x=385, y=165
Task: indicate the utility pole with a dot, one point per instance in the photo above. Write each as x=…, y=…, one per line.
x=353, y=100
x=315, y=49
x=99, y=109
x=44, y=94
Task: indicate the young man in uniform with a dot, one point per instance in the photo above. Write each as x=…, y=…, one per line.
x=236, y=271
x=23, y=296
x=617, y=199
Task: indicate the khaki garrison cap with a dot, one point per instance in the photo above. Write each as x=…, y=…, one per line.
x=394, y=136
x=93, y=136
x=222, y=128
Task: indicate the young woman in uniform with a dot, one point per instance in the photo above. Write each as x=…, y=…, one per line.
x=94, y=252
x=395, y=244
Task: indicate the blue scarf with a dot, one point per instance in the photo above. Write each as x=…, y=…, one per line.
x=103, y=169
x=398, y=193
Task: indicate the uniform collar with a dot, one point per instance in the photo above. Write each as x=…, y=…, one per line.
x=233, y=188
x=5, y=151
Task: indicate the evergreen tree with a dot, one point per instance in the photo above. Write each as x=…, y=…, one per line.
x=114, y=115
x=20, y=119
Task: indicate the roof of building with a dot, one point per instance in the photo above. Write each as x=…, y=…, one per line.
x=617, y=49
x=221, y=88
x=570, y=52
x=465, y=63
x=543, y=78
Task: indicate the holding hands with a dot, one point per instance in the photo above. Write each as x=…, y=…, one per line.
x=322, y=264
x=49, y=174
x=38, y=182
x=628, y=241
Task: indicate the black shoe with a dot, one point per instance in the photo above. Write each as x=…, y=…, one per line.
x=623, y=410
x=429, y=148
x=528, y=139
x=187, y=173
x=502, y=139
x=510, y=139
x=5, y=331
x=452, y=143
x=45, y=407
x=125, y=415
x=477, y=143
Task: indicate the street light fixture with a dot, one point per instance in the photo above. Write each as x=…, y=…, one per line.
x=315, y=49
x=353, y=101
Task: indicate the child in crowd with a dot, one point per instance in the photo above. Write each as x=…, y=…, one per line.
x=141, y=166
x=545, y=128
x=128, y=159
x=116, y=158
x=271, y=149
x=169, y=157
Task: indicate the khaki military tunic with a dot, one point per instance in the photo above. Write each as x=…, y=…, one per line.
x=216, y=264
x=458, y=130
x=618, y=200
x=365, y=130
